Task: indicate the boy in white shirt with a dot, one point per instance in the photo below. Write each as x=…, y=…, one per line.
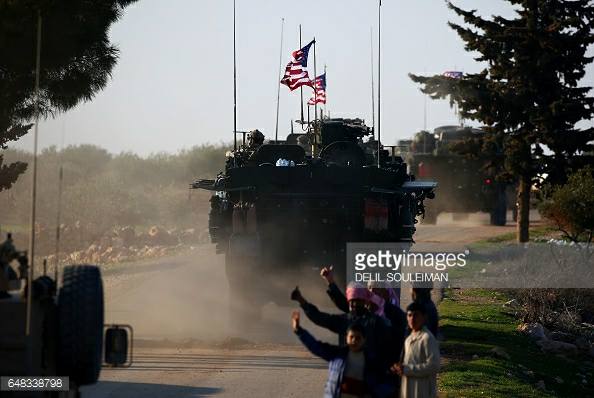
x=421, y=357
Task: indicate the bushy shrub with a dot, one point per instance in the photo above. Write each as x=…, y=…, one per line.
x=557, y=309
x=570, y=207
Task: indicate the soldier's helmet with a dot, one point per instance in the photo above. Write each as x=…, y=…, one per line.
x=255, y=138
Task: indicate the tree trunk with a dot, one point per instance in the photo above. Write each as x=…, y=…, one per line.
x=523, y=223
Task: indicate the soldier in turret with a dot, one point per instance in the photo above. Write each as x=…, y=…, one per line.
x=255, y=139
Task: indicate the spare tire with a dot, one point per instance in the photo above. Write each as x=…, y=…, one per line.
x=80, y=324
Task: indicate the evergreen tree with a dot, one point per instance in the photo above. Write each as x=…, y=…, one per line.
x=528, y=96
x=76, y=61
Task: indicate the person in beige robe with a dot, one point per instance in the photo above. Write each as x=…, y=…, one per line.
x=420, y=363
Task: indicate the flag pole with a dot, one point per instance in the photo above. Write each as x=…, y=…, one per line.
x=325, y=88
x=315, y=85
x=301, y=88
x=379, y=77
x=280, y=66
x=234, y=84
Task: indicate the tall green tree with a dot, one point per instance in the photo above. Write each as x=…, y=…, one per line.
x=76, y=62
x=528, y=94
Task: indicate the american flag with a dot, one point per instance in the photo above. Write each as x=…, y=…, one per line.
x=295, y=72
x=453, y=74
x=320, y=91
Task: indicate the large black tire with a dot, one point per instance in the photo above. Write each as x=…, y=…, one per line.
x=80, y=324
x=498, y=214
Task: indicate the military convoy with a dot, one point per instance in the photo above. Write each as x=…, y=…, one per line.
x=283, y=205
x=49, y=330
x=465, y=187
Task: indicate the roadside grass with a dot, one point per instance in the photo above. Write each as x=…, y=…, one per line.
x=536, y=232
x=475, y=266
x=474, y=322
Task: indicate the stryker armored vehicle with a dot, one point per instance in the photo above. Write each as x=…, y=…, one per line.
x=465, y=187
x=283, y=205
x=49, y=330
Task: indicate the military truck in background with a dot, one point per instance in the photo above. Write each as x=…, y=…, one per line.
x=49, y=330
x=465, y=187
x=280, y=206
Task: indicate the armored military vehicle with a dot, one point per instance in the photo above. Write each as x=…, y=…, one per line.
x=281, y=206
x=465, y=187
x=49, y=330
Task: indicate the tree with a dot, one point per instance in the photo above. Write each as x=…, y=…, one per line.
x=528, y=95
x=76, y=62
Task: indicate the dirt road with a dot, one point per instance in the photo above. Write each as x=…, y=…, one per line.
x=185, y=297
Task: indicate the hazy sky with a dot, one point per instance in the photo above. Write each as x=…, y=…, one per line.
x=173, y=85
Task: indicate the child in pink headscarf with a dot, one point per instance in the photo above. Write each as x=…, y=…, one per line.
x=377, y=328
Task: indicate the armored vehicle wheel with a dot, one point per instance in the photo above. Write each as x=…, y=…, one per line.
x=80, y=324
x=498, y=217
x=499, y=211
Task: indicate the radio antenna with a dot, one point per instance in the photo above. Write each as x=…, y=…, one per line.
x=234, y=83
x=379, y=79
x=280, y=69
x=372, y=85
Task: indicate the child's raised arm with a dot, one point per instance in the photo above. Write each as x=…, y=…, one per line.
x=325, y=351
x=332, y=322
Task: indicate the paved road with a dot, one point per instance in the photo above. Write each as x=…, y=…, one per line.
x=185, y=297
x=162, y=373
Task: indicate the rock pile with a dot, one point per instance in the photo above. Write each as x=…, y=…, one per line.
x=125, y=244
x=557, y=342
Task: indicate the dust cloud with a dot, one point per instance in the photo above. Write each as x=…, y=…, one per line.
x=467, y=219
x=187, y=298
x=478, y=218
x=180, y=296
